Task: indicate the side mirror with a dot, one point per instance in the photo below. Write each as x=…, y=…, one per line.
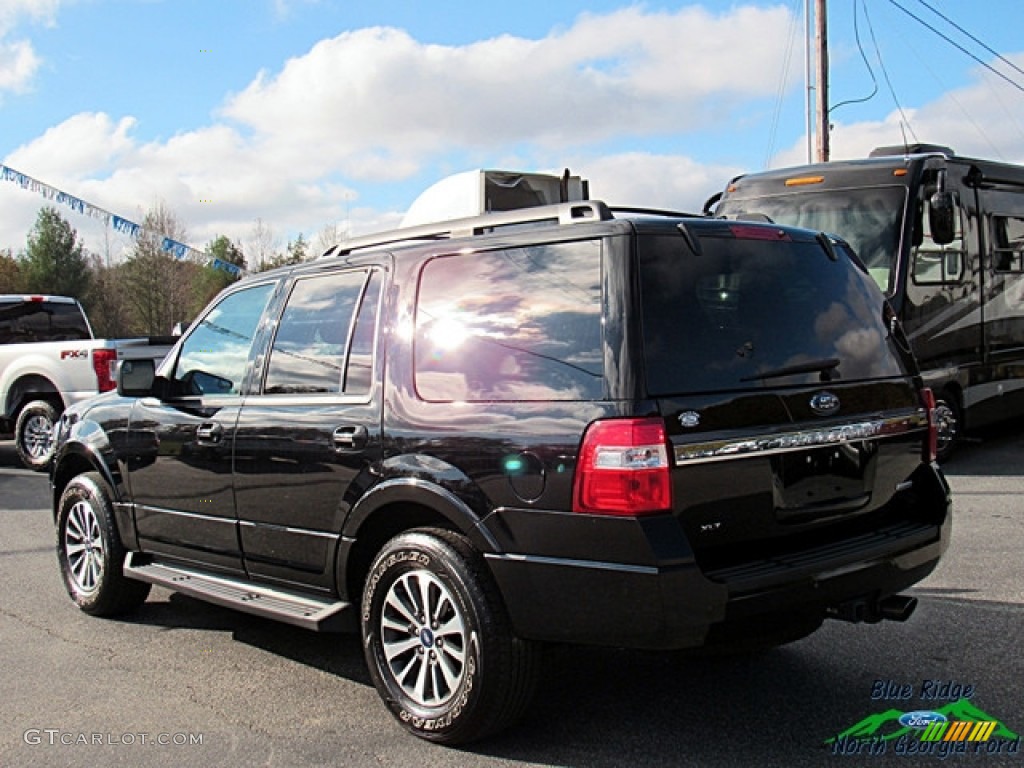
x=135, y=378
x=942, y=214
x=942, y=218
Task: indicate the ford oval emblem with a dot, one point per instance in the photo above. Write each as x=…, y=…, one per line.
x=689, y=419
x=824, y=403
x=921, y=719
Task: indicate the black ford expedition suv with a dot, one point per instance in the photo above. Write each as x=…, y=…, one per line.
x=552, y=424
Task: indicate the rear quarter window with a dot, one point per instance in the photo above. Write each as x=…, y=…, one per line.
x=742, y=308
x=516, y=324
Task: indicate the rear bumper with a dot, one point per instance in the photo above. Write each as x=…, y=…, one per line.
x=649, y=592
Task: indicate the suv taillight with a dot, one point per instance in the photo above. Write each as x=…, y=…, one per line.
x=623, y=468
x=931, y=447
x=104, y=362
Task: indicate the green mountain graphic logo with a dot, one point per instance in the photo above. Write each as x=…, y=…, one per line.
x=885, y=726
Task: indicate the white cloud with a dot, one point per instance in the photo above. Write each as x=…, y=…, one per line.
x=210, y=178
x=642, y=179
x=380, y=92
x=13, y=11
x=283, y=8
x=377, y=105
x=83, y=145
x=18, y=59
x=18, y=63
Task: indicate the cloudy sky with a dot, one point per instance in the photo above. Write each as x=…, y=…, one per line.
x=315, y=114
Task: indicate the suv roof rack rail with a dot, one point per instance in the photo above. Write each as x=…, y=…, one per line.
x=579, y=212
x=656, y=212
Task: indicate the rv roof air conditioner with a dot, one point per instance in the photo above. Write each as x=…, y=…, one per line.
x=473, y=193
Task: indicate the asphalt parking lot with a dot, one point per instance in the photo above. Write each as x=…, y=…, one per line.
x=182, y=682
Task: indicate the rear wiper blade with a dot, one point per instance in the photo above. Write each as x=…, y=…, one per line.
x=825, y=367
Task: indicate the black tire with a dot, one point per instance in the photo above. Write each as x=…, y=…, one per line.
x=90, y=551
x=33, y=434
x=463, y=675
x=949, y=423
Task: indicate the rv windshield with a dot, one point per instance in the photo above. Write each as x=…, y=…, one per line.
x=868, y=218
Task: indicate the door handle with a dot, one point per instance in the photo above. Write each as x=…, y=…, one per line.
x=209, y=433
x=350, y=438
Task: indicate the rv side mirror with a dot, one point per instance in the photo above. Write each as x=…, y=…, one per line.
x=135, y=378
x=710, y=203
x=942, y=218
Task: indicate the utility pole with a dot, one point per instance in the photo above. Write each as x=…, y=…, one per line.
x=808, y=83
x=821, y=46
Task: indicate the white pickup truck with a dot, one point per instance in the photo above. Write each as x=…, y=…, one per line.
x=49, y=360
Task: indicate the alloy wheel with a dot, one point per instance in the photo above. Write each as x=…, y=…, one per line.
x=83, y=543
x=424, y=638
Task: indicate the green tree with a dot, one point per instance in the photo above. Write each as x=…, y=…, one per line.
x=11, y=278
x=158, y=286
x=110, y=313
x=226, y=250
x=55, y=261
x=296, y=252
x=208, y=281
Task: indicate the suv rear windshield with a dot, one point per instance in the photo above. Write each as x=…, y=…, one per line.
x=758, y=312
x=24, y=322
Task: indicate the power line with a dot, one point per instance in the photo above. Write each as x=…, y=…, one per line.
x=783, y=77
x=926, y=62
x=971, y=37
x=959, y=47
x=867, y=64
x=885, y=74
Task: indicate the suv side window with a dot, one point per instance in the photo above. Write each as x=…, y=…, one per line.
x=213, y=358
x=313, y=336
x=517, y=324
x=359, y=371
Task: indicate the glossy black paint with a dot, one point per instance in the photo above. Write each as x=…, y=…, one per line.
x=301, y=489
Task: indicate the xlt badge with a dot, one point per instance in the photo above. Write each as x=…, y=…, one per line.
x=824, y=403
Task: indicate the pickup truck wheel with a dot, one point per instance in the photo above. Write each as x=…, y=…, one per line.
x=33, y=434
x=438, y=642
x=90, y=551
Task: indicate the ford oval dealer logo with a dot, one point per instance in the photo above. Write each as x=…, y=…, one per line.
x=921, y=719
x=824, y=403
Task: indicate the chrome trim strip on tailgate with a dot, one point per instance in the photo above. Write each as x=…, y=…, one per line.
x=783, y=442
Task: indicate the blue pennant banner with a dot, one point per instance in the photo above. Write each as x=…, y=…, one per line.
x=180, y=250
